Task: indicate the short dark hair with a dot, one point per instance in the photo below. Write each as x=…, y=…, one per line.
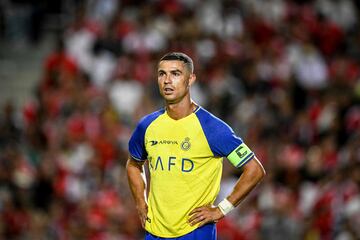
x=179, y=56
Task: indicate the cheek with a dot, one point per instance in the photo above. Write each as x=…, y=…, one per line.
x=180, y=85
x=187, y=83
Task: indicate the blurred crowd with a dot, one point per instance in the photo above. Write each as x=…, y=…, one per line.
x=284, y=74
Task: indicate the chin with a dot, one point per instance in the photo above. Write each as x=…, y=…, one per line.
x=168, y=98
x=171, y=100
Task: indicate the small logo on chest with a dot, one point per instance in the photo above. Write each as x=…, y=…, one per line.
x=185, y=145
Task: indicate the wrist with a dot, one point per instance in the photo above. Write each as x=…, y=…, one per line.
x=225, y=206
x=141, y=204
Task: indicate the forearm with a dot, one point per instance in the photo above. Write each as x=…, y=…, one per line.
x=253, y=173
x=137, y=181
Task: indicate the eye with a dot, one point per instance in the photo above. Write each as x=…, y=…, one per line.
x=160, y=74
x=176, y=74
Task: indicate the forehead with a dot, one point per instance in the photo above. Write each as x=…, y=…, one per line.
x=171, y=65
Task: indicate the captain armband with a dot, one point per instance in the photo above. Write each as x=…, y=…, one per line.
x=241, y=155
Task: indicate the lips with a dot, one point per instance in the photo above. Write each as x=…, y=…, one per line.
x=168, y=90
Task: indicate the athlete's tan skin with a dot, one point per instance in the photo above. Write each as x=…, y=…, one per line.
x=175, y=80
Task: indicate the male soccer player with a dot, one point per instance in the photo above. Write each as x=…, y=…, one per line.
x=185, y=146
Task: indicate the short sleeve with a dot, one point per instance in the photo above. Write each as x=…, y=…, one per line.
x=222, y=140
x=137, y=148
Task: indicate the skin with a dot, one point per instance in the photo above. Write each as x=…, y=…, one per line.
x=175, y=80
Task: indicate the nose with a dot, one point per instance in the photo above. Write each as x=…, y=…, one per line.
x=167, y=79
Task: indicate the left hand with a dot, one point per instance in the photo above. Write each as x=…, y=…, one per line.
x=205, y=214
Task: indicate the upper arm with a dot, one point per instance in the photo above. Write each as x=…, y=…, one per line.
x=137, y=149
x=133, y=162
x=255, y=169
x=241, y=155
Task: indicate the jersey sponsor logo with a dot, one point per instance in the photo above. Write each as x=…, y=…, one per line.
x=168, y=142
x=185, y=145
x=153, y=142
x=170, y=163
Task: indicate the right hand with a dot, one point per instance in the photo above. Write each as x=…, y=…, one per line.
x=205, y=214
x=142, y=211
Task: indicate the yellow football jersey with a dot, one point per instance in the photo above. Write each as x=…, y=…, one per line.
x=185, y=159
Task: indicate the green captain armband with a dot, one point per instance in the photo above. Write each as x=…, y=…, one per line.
x=241, y=155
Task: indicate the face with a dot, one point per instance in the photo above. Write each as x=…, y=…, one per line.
x=174, y=80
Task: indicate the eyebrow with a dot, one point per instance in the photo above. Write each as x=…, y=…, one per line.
x=172, y=71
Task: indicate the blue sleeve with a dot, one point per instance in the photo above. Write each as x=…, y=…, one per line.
x=220, y=136
x=137, y=141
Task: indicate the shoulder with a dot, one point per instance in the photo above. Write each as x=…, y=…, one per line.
x=209, y=120
x=148, y=119
x=136, y=142
x=220, y=136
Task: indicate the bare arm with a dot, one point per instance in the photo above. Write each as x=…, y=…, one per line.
x=137, y=183
x=253, y=173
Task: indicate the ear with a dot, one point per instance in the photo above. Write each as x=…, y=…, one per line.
x=192, y=79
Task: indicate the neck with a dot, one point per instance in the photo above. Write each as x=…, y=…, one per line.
x=181, y=109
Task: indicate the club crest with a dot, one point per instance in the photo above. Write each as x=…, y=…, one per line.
x=185, y=145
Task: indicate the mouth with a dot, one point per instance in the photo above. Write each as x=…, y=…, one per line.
x=168, y=90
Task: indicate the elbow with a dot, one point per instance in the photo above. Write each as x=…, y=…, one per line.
x=261, y=174
x=257, y=174
x=259, y=171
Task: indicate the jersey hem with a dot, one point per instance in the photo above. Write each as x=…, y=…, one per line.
x=171, y=236
x=137, y=159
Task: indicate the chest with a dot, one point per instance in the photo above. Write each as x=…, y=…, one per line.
x=176, y=146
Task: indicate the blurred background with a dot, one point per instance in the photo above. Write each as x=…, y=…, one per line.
x=77, y=75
